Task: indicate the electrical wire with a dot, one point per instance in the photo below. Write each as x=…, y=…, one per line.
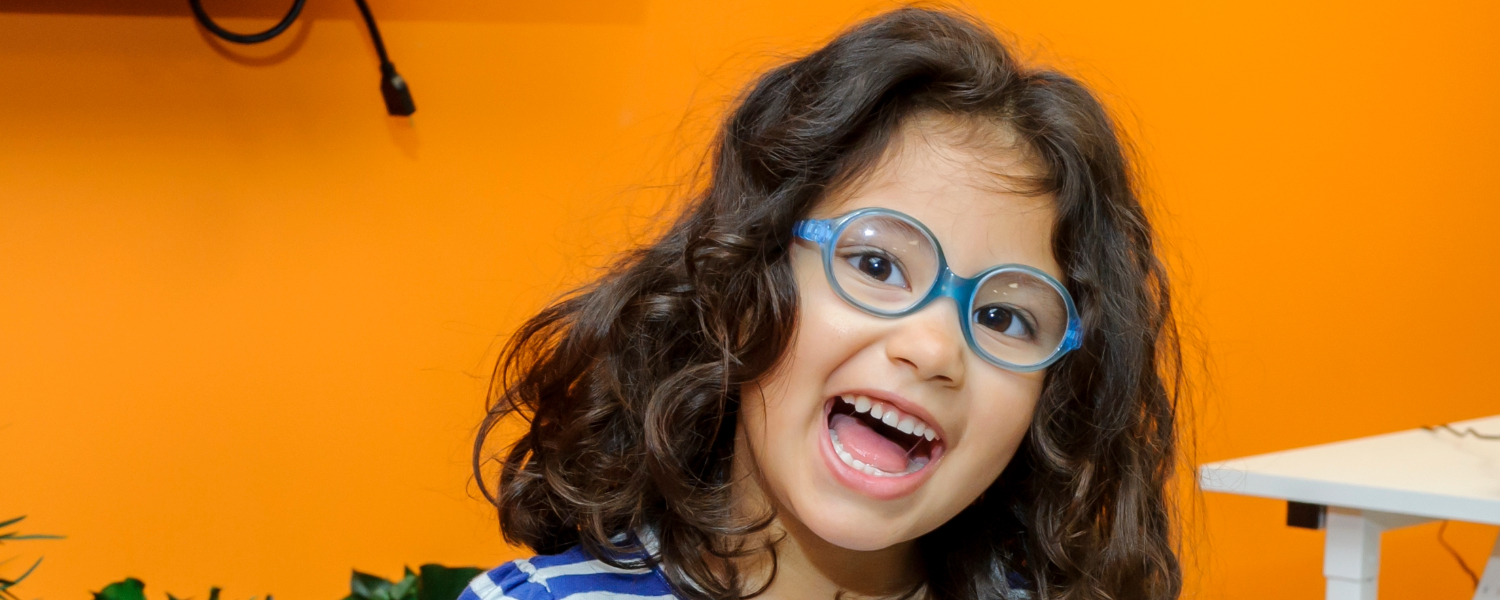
x=1474, y=577
x=364, y=10
x=393, y=88
x=247, y=38
x=1466, y=432
x=398, y=101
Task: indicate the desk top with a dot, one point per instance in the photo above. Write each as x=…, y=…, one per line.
x=1433, y=474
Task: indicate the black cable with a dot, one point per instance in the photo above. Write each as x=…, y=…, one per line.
x=364, y=9
x=1467, y=431
x=1456, y=556
x=398, y=100
x=246, y=38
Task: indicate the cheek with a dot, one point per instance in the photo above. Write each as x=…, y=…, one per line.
x=1006, y=411
x=824, y=340
x=997, y=423
x=781, y=415
x=829, y=333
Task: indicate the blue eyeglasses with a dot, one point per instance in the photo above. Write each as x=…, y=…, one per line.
x=890, y=265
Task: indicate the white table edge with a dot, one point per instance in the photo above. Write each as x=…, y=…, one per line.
x=1225, y=477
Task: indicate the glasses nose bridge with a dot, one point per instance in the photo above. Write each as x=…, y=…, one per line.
x=960, y=290
x=952, y=285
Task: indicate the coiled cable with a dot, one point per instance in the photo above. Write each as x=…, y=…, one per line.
x=249, y=38
x=398, y=100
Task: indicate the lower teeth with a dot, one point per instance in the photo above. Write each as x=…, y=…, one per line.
x=912, y=466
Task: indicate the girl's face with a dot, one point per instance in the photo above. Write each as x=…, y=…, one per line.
x=845, y=365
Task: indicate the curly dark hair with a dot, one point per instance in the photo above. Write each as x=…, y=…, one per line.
x=628, y=389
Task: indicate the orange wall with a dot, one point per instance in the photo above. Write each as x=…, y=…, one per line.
x=246, y=319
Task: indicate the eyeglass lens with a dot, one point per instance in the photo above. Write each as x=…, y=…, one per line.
x=888, y=264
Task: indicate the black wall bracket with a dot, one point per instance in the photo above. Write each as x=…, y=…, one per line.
x=1304, y=515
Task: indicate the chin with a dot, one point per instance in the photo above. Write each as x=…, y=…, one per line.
x=854, y=529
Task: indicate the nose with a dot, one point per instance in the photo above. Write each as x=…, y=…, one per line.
x=930, y=343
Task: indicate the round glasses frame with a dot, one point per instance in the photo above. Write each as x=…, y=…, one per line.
x=962, y=290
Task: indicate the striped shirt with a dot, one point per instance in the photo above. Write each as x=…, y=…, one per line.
x=572, y=575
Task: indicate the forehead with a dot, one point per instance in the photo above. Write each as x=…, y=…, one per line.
x=967, y=186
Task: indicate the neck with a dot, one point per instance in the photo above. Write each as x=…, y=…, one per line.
x=807, y=566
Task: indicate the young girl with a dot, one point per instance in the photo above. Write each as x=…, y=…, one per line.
x=911, y=341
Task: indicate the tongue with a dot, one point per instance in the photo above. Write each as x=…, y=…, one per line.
x=867, y=446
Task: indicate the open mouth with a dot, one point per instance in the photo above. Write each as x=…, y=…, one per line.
x=877, y=439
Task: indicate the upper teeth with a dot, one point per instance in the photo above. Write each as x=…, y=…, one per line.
x=891, y=416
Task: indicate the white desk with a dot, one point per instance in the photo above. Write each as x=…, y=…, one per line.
x=1377, y=483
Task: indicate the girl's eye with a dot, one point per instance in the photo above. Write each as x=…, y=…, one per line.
x=1004, y=320
x=879, y=268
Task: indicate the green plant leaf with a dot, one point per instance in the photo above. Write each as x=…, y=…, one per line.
x=406, y=589
x=445, y=583
x=130, y=589
x=33, y=536
x=11, y=536
x=6, y=584
x=364, y=586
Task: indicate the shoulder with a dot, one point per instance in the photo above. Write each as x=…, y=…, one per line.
x=572, y=574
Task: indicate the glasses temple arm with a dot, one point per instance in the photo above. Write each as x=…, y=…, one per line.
x=813, y=230
x=1073, y=339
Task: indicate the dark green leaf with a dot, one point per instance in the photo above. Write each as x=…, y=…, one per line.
x=445, y=583
x=11, y=536
x=5, y=584
x=213, y=593
x=363, y=586
x=406, y=589
x=130, y=589
x=33, y=536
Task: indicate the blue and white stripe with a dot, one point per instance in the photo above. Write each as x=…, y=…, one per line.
x=572, y=575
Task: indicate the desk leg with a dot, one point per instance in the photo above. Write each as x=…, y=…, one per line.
x=1351, y=555
x=1489, y=583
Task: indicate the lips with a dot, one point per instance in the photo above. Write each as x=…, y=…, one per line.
x=877, y=439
